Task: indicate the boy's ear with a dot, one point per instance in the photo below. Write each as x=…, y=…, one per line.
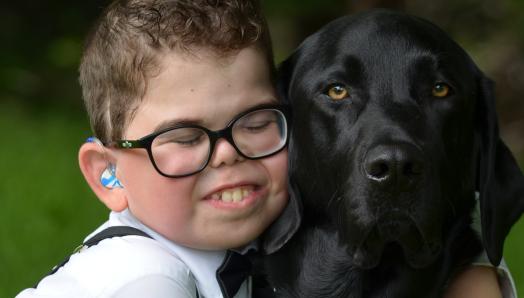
x=93, y=162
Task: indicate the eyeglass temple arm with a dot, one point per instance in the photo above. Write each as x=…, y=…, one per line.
x=126, y=144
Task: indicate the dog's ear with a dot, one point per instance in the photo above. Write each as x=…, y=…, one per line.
x=286, y=225
x=500, y=180
x=284, y=77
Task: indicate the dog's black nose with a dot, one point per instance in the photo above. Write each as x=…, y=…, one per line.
x=397, y=165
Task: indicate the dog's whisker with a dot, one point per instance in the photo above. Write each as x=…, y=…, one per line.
x=334, y=198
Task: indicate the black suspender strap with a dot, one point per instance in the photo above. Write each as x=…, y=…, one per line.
x=116, y=231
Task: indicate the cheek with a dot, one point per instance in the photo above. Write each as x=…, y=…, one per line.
x=277, y=168
x=150, y=194
x=165, y=205
x=131, y=163
x=158, y=192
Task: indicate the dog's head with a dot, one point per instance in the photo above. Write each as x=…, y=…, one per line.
x=393, y=130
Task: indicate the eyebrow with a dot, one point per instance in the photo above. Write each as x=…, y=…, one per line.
x=177, y=122
x=189, y=122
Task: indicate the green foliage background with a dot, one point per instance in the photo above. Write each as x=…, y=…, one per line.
x=46, y=208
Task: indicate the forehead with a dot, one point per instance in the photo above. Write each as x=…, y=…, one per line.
x=383, y=40
x=204, y=89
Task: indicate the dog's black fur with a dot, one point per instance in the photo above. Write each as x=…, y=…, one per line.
x=384, y=180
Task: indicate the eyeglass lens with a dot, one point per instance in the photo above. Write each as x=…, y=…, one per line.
x=186, y=150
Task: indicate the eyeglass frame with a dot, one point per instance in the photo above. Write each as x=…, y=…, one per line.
x=213, y=135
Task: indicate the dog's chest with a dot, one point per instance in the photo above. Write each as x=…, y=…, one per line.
x=316, y=265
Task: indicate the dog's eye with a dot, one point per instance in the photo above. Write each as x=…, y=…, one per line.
x=338, y=92
x=441, y=90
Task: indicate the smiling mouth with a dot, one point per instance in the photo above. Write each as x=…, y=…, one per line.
x=233, y=195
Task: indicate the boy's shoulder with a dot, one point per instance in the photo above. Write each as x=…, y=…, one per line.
x=115, y=263
x=125, y=253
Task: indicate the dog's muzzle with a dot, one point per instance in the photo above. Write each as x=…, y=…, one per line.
x=396, y=228
x=394, y=173
x=397, y=166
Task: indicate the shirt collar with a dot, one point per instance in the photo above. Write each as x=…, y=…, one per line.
x=203, y=264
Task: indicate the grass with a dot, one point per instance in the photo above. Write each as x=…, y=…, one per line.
x=46, y=208
x=513, y=254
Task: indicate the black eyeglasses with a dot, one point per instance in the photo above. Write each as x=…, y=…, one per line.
x=185, y=150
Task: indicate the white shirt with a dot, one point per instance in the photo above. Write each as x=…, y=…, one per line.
x=136, y=266
x=506, y=283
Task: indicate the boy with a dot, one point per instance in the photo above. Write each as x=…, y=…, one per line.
x=158, y=76
x=173, y=71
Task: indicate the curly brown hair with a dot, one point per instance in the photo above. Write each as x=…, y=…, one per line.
x=123, y=49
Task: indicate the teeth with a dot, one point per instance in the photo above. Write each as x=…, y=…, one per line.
x=227, y=196
x=237, y=195
x=233, y=195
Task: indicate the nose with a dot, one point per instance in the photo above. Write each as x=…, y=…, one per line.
x=224, y=154
x=399, y=165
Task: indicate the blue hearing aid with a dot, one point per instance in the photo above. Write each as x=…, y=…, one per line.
x=94, y=140
x=108, y=177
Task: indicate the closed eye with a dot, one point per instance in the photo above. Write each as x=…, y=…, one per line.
x=192, y=141
x=181, y=137
x=258, y=126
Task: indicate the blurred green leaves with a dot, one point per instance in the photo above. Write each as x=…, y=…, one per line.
x=46, y=207
x=293, y=9
x=64, y=52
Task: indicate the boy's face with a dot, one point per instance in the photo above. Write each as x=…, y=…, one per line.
x=209, y=91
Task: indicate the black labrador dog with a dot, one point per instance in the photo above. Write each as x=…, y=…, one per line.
x=394, y=134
